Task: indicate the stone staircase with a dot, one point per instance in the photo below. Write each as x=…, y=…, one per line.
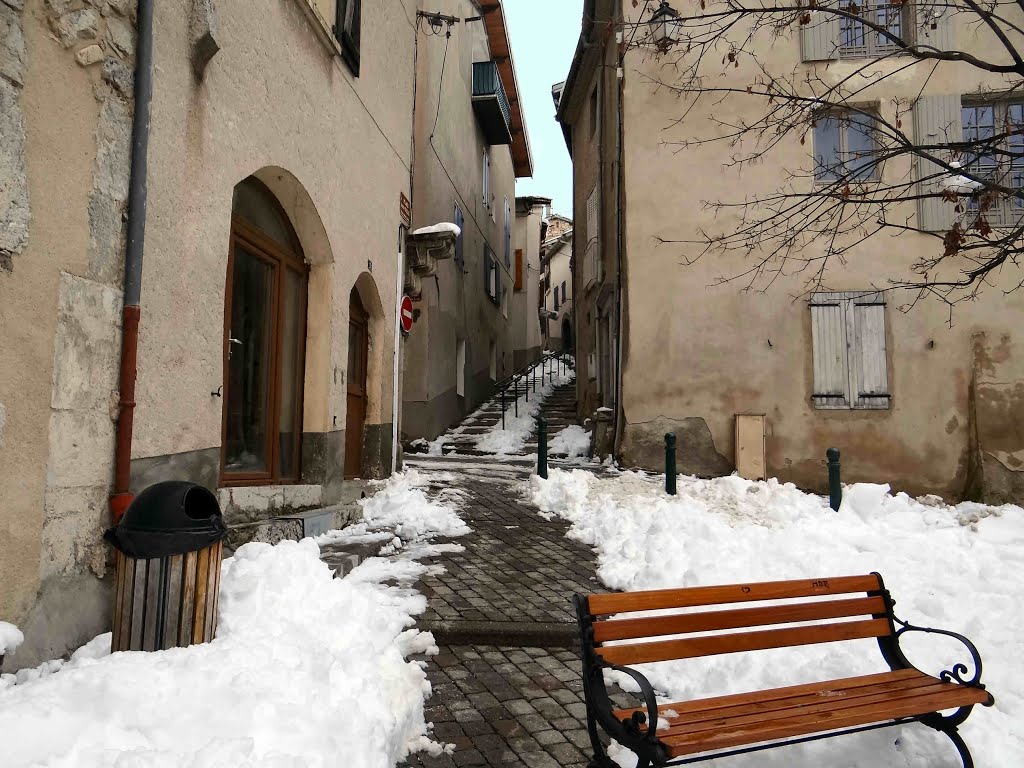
x=558, y=409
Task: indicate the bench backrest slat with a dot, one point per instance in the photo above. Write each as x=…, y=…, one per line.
x=737, y=618
x=603, y=605
x=664, y=650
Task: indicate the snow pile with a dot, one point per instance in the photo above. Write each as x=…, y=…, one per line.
x=10, y=637
x=517, y=430
x=401, y=504
x=306, y=670
x=444, y=226
x=572, y=442
x=947, y=567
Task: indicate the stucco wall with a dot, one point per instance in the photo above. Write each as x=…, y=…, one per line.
x=526, y=336
x=699, y=354
x=276, y=101
x=455, y=305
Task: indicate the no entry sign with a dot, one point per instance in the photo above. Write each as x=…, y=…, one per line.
x=406, y=314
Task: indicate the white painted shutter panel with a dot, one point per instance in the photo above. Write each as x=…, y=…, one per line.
x=593, y=236
x=869, y=374
x=936, y=121
x=934, y=27
x=819, y=40
x=829, y=349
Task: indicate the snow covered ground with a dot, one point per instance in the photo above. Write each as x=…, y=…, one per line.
x=954, y=568
x=307, y=670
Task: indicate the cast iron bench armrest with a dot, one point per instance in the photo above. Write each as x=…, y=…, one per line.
x=959, y=670
x=633, y=725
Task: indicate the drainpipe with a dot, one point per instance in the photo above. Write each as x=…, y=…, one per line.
x=132, y=310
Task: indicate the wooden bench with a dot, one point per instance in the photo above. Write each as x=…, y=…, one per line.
x=729, y=725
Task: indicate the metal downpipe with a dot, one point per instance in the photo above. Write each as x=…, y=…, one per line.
x=136, y=235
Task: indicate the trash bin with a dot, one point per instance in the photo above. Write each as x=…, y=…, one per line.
x=168, y=546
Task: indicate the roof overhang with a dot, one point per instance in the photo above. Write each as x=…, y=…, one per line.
x=501, y=52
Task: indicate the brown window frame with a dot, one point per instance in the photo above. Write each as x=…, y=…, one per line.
x=269, y=250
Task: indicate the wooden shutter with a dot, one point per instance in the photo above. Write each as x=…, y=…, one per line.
x=487, y=271
x=519, y=269
x=829, y=350
x=819, y=39
x=934, y=25
x=593, y=246
x=936, y=121
x=460, y=222
x=869, y=370
x=508, y=233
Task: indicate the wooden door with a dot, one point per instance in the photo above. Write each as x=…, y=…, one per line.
x=358, y=350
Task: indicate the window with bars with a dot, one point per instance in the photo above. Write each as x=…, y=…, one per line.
x=845, y=147
x=857, y=41
x=996, y=130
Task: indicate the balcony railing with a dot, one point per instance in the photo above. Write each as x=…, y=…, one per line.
x=491, y=104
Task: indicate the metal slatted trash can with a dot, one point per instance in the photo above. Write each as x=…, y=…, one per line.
x=169, y=546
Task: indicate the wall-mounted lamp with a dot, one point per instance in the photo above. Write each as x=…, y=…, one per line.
x=664, y=25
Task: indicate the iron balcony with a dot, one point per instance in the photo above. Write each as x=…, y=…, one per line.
x=491, y=104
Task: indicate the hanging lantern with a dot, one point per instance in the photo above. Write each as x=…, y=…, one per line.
x=664, y=25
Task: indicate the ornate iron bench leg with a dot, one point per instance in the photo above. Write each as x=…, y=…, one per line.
x=961, y=746
x=948, y=725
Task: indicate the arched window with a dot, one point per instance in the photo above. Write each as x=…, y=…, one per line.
x=264, y=342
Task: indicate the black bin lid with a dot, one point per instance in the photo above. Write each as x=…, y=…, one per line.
x=169, y=518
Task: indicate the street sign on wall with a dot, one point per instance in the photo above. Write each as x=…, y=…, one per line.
x=406, y=314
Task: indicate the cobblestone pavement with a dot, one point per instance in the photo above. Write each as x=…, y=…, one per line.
x=508, y=706
x=516, y=567
x=506, y=686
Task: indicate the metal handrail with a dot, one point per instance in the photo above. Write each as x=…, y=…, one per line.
x=527, y=371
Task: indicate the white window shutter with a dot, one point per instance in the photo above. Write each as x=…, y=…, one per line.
x=869, y=374
x=593, y=246
x=819, y=39
x=829, y=337
x=936, y=121
x=934, y=25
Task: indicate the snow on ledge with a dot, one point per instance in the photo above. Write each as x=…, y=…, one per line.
x=444, y=226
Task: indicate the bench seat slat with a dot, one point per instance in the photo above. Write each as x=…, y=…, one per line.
x=665, y=650
x=626, y=629
x=778, y=697
x=821, y=706
x=717, y=736
x=692, y=597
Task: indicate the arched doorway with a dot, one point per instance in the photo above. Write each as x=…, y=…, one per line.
x=358, y=395
x=264, y=342
x=566, y=335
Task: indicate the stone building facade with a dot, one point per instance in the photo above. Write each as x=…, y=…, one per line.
x=669, y=348
x=556, y=286
x=472, y=145
x=528, y=233
x=280, y=150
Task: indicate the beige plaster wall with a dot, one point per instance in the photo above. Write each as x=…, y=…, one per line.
x=525, y=317
x=455, y=305
x=345, y=142
x=559, y=271
x=276, y=101
x=698, y=354
x=60, y=315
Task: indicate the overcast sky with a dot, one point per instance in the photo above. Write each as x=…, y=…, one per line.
x=543, y=34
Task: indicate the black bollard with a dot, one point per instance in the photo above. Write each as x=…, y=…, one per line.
x=542, y=447
x=835, y=490
x=670, y=464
